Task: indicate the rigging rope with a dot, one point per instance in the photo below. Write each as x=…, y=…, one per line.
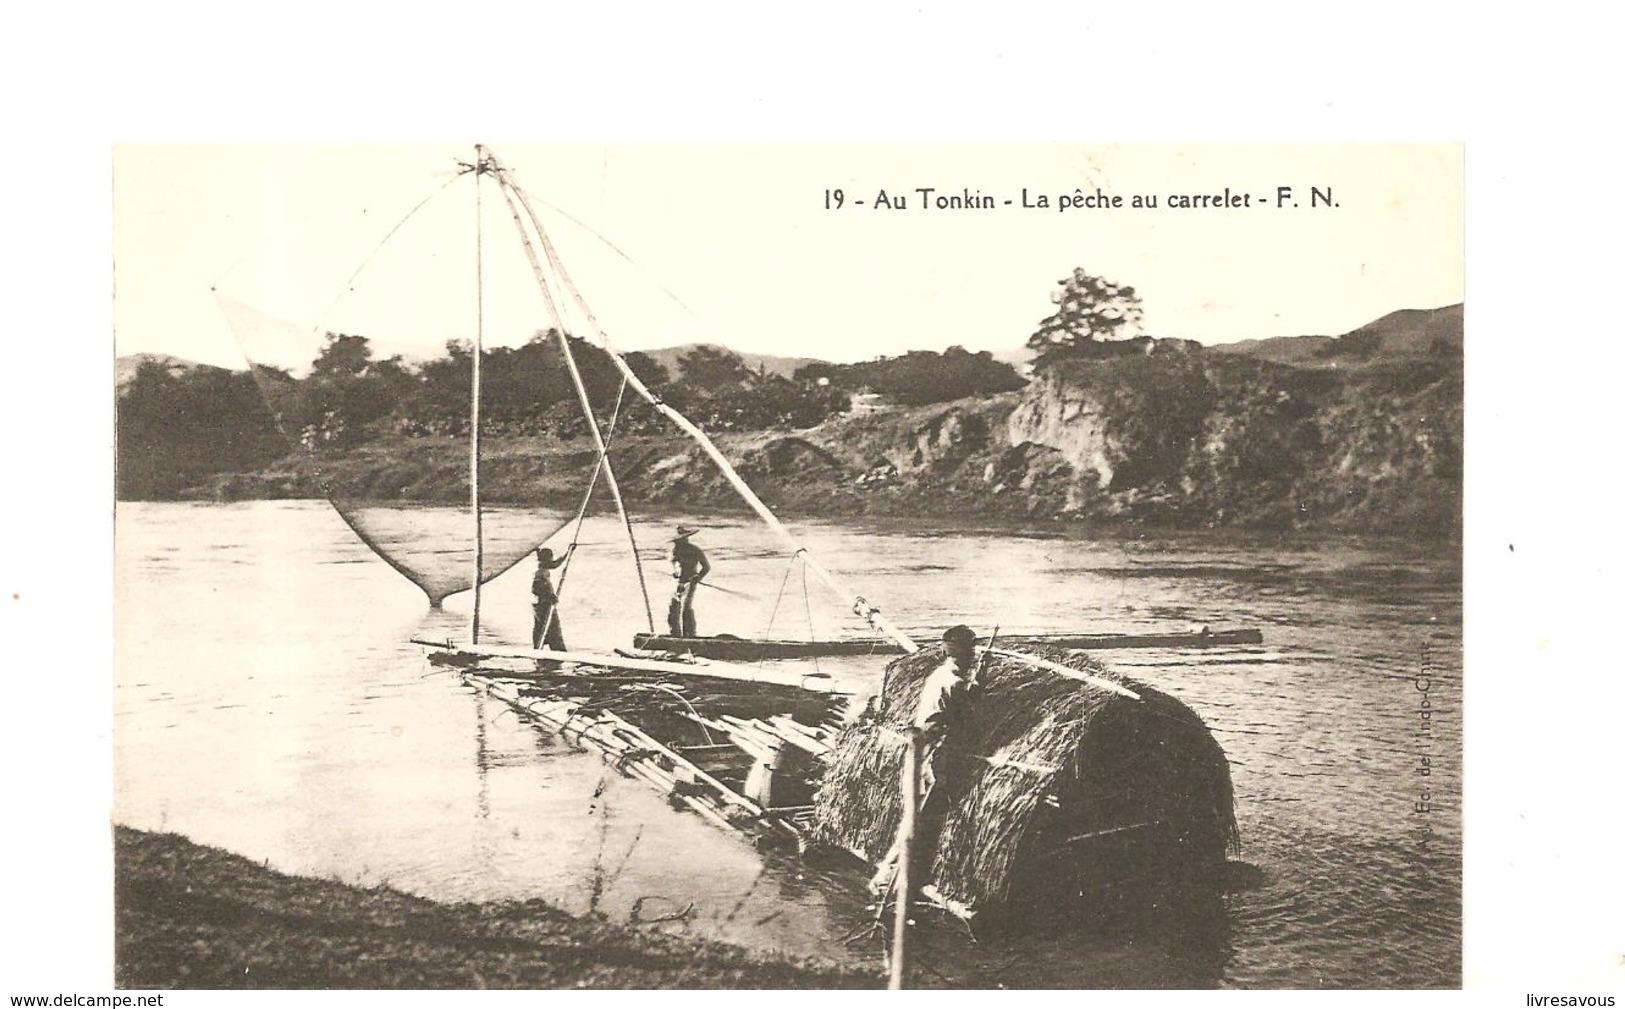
x=776, y=599
x=581, y=517
x=806, y=598
x=617, y=250
x=349, y=285
x=507, y=188
x=861, y=606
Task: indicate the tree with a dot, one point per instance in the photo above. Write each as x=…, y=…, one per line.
x=713, y=369
x=175, y=431
x=1088, y=309
x=920, y=376
x=815, y=372
x=342, y=356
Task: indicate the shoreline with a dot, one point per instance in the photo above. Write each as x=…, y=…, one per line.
x=801, y=476
x=191, y=916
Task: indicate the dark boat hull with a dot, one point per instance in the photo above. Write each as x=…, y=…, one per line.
x=756, y=649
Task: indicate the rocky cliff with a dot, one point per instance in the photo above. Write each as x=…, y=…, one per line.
x=1223, y=439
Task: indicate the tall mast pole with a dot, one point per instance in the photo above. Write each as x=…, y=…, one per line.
x=474, y=397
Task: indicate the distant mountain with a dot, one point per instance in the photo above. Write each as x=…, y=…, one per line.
x=782, y=366
x=124, y=368
x=1410, y=332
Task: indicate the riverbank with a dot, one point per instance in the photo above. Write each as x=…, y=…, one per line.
x=189, y=916
x=1005, y=458
x=1358, y=433
x=1178, y=439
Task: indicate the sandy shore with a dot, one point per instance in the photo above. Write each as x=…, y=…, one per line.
x=188, y=916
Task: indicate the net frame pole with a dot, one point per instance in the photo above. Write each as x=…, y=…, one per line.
x=474, y=394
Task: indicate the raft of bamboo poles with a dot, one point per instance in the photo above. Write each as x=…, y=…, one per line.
x=740, y=747
x=1074, y=776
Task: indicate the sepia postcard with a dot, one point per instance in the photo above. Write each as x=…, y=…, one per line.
x=823, y=565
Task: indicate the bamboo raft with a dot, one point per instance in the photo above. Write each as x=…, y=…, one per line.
x=734, y=649
x=1077, y=774
x=742, y=748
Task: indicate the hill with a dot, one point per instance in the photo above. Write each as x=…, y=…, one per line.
x=784, y=367
x=1410, y=332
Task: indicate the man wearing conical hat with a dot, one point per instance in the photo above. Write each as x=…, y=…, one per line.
x=689, y=566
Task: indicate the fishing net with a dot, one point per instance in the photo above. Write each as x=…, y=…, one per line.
x=375, y=396
x=400, y=479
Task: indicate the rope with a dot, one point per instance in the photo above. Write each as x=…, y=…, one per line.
x=768, y=634
x=592, y=483
x=776, y=599
x=260, y=382
x=508, y=193
x=581, y=518
x=806, y=599
x=860, y=605
x=349, y=285
x=700, y=721
x=617, y=250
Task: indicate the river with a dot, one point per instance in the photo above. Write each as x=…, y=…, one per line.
x=268, y=701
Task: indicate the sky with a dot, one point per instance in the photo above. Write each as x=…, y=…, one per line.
x=744, y=245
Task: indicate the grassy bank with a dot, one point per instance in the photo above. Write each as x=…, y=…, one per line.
x=188, y=916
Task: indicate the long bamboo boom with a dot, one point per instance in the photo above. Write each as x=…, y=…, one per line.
x=861, y=606
x=581, y=396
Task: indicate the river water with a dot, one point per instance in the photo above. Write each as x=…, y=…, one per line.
x=269, y=701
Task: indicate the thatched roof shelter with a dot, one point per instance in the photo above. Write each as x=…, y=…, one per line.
x=1068, y=785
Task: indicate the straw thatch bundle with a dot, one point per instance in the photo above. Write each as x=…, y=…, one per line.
x=1062, y=785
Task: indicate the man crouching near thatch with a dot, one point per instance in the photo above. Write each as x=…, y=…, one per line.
x=939, y=718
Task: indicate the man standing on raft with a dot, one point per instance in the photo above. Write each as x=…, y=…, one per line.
x=941, y=718
x=689, y=566
x=546, y=628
